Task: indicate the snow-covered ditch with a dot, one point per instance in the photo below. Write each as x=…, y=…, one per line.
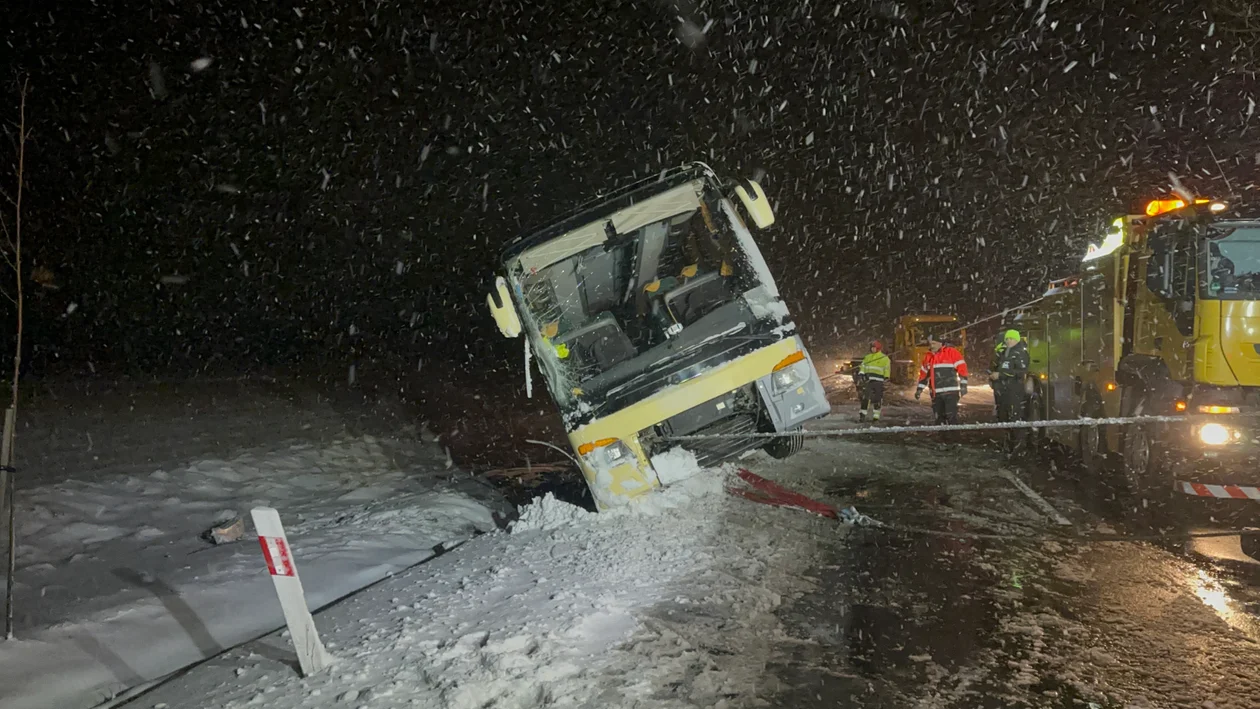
x=116, y=587
x=664, y=603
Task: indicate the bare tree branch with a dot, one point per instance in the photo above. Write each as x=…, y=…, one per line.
x=4, y=226
x=17, y=351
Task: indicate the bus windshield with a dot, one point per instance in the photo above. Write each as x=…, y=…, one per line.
x=646, y=300
x=1232, y=261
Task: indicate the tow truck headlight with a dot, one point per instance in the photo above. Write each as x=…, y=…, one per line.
x=1215, y=434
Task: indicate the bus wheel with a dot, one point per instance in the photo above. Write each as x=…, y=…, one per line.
x=785, y=446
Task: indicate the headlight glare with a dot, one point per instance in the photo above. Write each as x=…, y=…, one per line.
x=1214, y=434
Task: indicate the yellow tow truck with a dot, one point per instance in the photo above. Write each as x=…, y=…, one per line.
x=1163, y=319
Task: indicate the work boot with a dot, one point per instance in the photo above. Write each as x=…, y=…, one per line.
x=861, y=417
x=875, y=416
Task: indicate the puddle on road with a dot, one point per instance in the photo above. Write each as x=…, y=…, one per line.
x=1239, y=615
x=883, y=620
x=877, y=492
x=926, y=603
x=902, y=615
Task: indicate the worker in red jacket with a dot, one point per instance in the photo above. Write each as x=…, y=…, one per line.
x=944, y=375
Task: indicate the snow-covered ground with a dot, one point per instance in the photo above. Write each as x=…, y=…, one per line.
x=628, y=609
x=900, y=406
x=115, y=585
x=697, y=598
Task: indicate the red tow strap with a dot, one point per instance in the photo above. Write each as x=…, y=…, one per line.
x=771, y=493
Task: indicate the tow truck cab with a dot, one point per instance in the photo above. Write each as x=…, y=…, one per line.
x=652, y=315
x=1164, y=319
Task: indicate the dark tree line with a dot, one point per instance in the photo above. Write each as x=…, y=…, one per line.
x=238, y=183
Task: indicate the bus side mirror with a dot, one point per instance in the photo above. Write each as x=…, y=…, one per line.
x=755, y=202
x=503, y=310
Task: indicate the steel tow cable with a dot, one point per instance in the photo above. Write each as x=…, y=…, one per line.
x=936, y=428
x=851, y=517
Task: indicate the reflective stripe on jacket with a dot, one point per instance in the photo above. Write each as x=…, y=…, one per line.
x=944, y=371
x=876, y=367
x=1013, y=364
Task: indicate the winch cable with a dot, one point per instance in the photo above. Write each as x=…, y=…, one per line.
x=851, y=517
x=999, y=314
x=940, y=428
x=1052, y=536
x=765, y=491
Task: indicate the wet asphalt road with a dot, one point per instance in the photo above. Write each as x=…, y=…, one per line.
x=1031, y=619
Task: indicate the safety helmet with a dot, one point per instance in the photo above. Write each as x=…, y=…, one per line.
x=1011, y=335
x=879, y=346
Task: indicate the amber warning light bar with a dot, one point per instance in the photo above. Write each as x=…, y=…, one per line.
x=1157, y=207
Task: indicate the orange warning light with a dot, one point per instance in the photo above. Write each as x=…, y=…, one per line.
x=1156, y=207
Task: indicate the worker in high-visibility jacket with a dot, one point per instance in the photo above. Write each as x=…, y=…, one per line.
x=873, y=372
x=1009, y=372
x=944, y=375
x=998, y=350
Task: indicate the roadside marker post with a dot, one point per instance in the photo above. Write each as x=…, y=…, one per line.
x=312, y=657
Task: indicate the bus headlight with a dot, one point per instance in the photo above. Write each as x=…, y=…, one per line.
x=606, y=454
x=791, y=377
x=1214, y=434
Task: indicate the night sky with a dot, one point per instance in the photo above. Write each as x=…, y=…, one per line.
x=245, y=184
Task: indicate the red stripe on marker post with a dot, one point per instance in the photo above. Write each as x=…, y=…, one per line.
x=276, y=552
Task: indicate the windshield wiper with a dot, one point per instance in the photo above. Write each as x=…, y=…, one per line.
x=675, y=356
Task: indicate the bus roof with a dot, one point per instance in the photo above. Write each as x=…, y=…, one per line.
x=607, y=204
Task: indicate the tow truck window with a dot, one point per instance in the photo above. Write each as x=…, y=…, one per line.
x=1231, y=258
x=1170, y=273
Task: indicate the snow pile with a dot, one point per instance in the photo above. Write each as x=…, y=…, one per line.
x=586, y=609
x=675, y=465
x=689, y=485
x=116, y=585
x=547, y=512
x=703, y=487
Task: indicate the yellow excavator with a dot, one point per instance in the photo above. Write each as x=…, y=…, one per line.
x=910, y=343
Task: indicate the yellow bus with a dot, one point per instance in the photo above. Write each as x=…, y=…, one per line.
x=652, y=314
